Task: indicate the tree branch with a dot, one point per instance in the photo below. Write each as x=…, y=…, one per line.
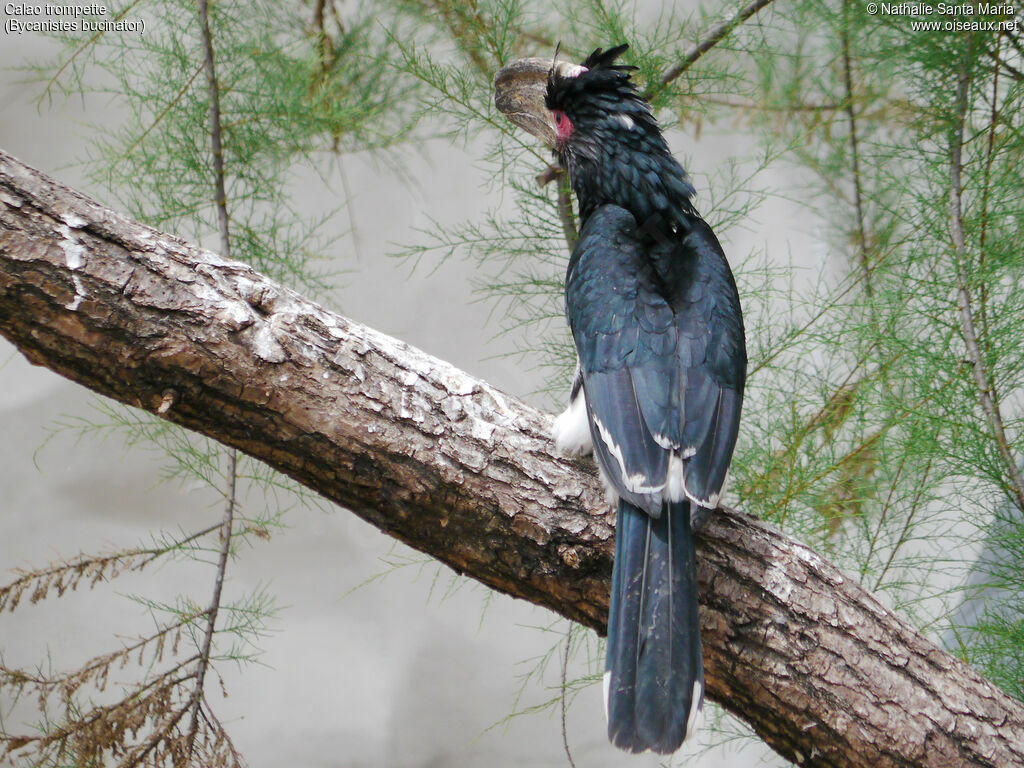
x=195, y=703
x=863, y=254
x=714, y=36
x=987, y=393
x=445, y=462
x=213, y=91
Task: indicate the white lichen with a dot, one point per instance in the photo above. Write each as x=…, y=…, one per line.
x=265, y=346
x=73, y=220
x=74, y=253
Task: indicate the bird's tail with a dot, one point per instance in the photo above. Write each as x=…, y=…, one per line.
x=654, y=679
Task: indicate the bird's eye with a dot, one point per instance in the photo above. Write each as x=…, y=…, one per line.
x=563, y=125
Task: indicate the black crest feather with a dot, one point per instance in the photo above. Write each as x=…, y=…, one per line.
x=602, y=59
x=600, y=74
x=614, y=149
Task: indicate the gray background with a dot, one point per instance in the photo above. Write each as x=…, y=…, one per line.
x=398, y=672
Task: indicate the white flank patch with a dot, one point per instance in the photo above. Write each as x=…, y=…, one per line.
x=696, y=716
x=675, y=485
x=625, y=121
x=611, y=493
x=571, y=430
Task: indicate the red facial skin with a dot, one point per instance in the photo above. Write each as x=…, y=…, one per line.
x=563, y=125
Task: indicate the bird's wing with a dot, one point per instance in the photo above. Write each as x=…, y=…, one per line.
x=657, y=383
x=713, y=359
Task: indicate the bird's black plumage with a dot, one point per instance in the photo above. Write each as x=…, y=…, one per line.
x=655, y=315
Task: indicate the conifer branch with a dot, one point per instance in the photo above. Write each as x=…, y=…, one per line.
x=985, y=191
x=986, y=389
x=565, y=213
x=171, y=104
x=82, y=48
x=196, y=701
x=713, y=37
x=68, y=574
x=213, y=90
x=563, y=698
x=851, y=119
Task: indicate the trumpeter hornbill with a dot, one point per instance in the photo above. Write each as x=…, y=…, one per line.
x=656, y=319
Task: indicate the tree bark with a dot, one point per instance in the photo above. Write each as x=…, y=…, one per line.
x=455, y=468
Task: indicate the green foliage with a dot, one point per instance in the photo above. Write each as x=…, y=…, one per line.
x=873, y=427
x=865, y=429
x=290, y=94
x=293, y=92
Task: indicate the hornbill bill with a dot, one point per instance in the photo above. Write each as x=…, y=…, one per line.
x=655, y=315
